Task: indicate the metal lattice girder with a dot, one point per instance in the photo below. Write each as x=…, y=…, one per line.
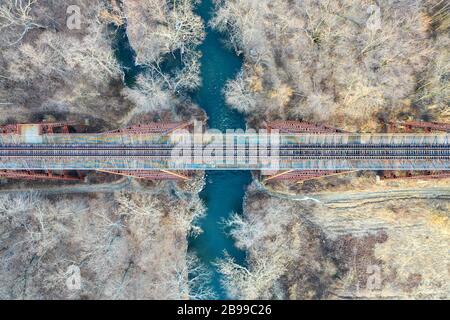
x=150, y=174
x=427, y=126
x=49, y=128
x=37, y=175
x=9, y=129
x=303, y=175
x=42, y=128
x=300, y=126
x=155, y=127
x=143, y=163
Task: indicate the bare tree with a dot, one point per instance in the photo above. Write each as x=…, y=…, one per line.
x=159, y=27
x=238, y=94
x=255, y=282
x=148, y=95
x=16, y=19
x=342, y=61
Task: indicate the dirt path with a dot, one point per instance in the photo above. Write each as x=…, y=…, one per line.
x=345, y=199
x=121, y=184
x=348, y=198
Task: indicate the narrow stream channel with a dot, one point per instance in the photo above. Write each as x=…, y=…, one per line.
x=225, y=190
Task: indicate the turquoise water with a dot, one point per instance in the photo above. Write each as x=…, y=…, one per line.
x=224, y=190
x=222, y=195
x=126, y=56
x=218, y=66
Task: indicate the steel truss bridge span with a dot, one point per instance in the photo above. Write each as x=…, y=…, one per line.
x=295, y=151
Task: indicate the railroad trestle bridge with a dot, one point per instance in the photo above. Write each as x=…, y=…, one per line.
x=163, y=147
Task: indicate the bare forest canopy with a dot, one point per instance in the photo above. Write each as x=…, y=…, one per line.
x=354, y=64
x=116, y=240
x=48, y=66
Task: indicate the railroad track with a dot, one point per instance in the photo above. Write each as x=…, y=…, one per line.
x=326, y=156
x=290, y=152
x=171, y=146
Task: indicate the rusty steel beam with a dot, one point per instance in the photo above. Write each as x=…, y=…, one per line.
x=9, y=129
x=49, y=128
x=302, y=175
x=149, y=175
x=156, y=127
x=426, y=126
x=37, y=175
x=44, y=128
x=286, y=126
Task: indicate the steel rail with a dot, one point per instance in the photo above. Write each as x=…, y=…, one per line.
x=235, y=154
x=168, y=146
x=405, y=153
